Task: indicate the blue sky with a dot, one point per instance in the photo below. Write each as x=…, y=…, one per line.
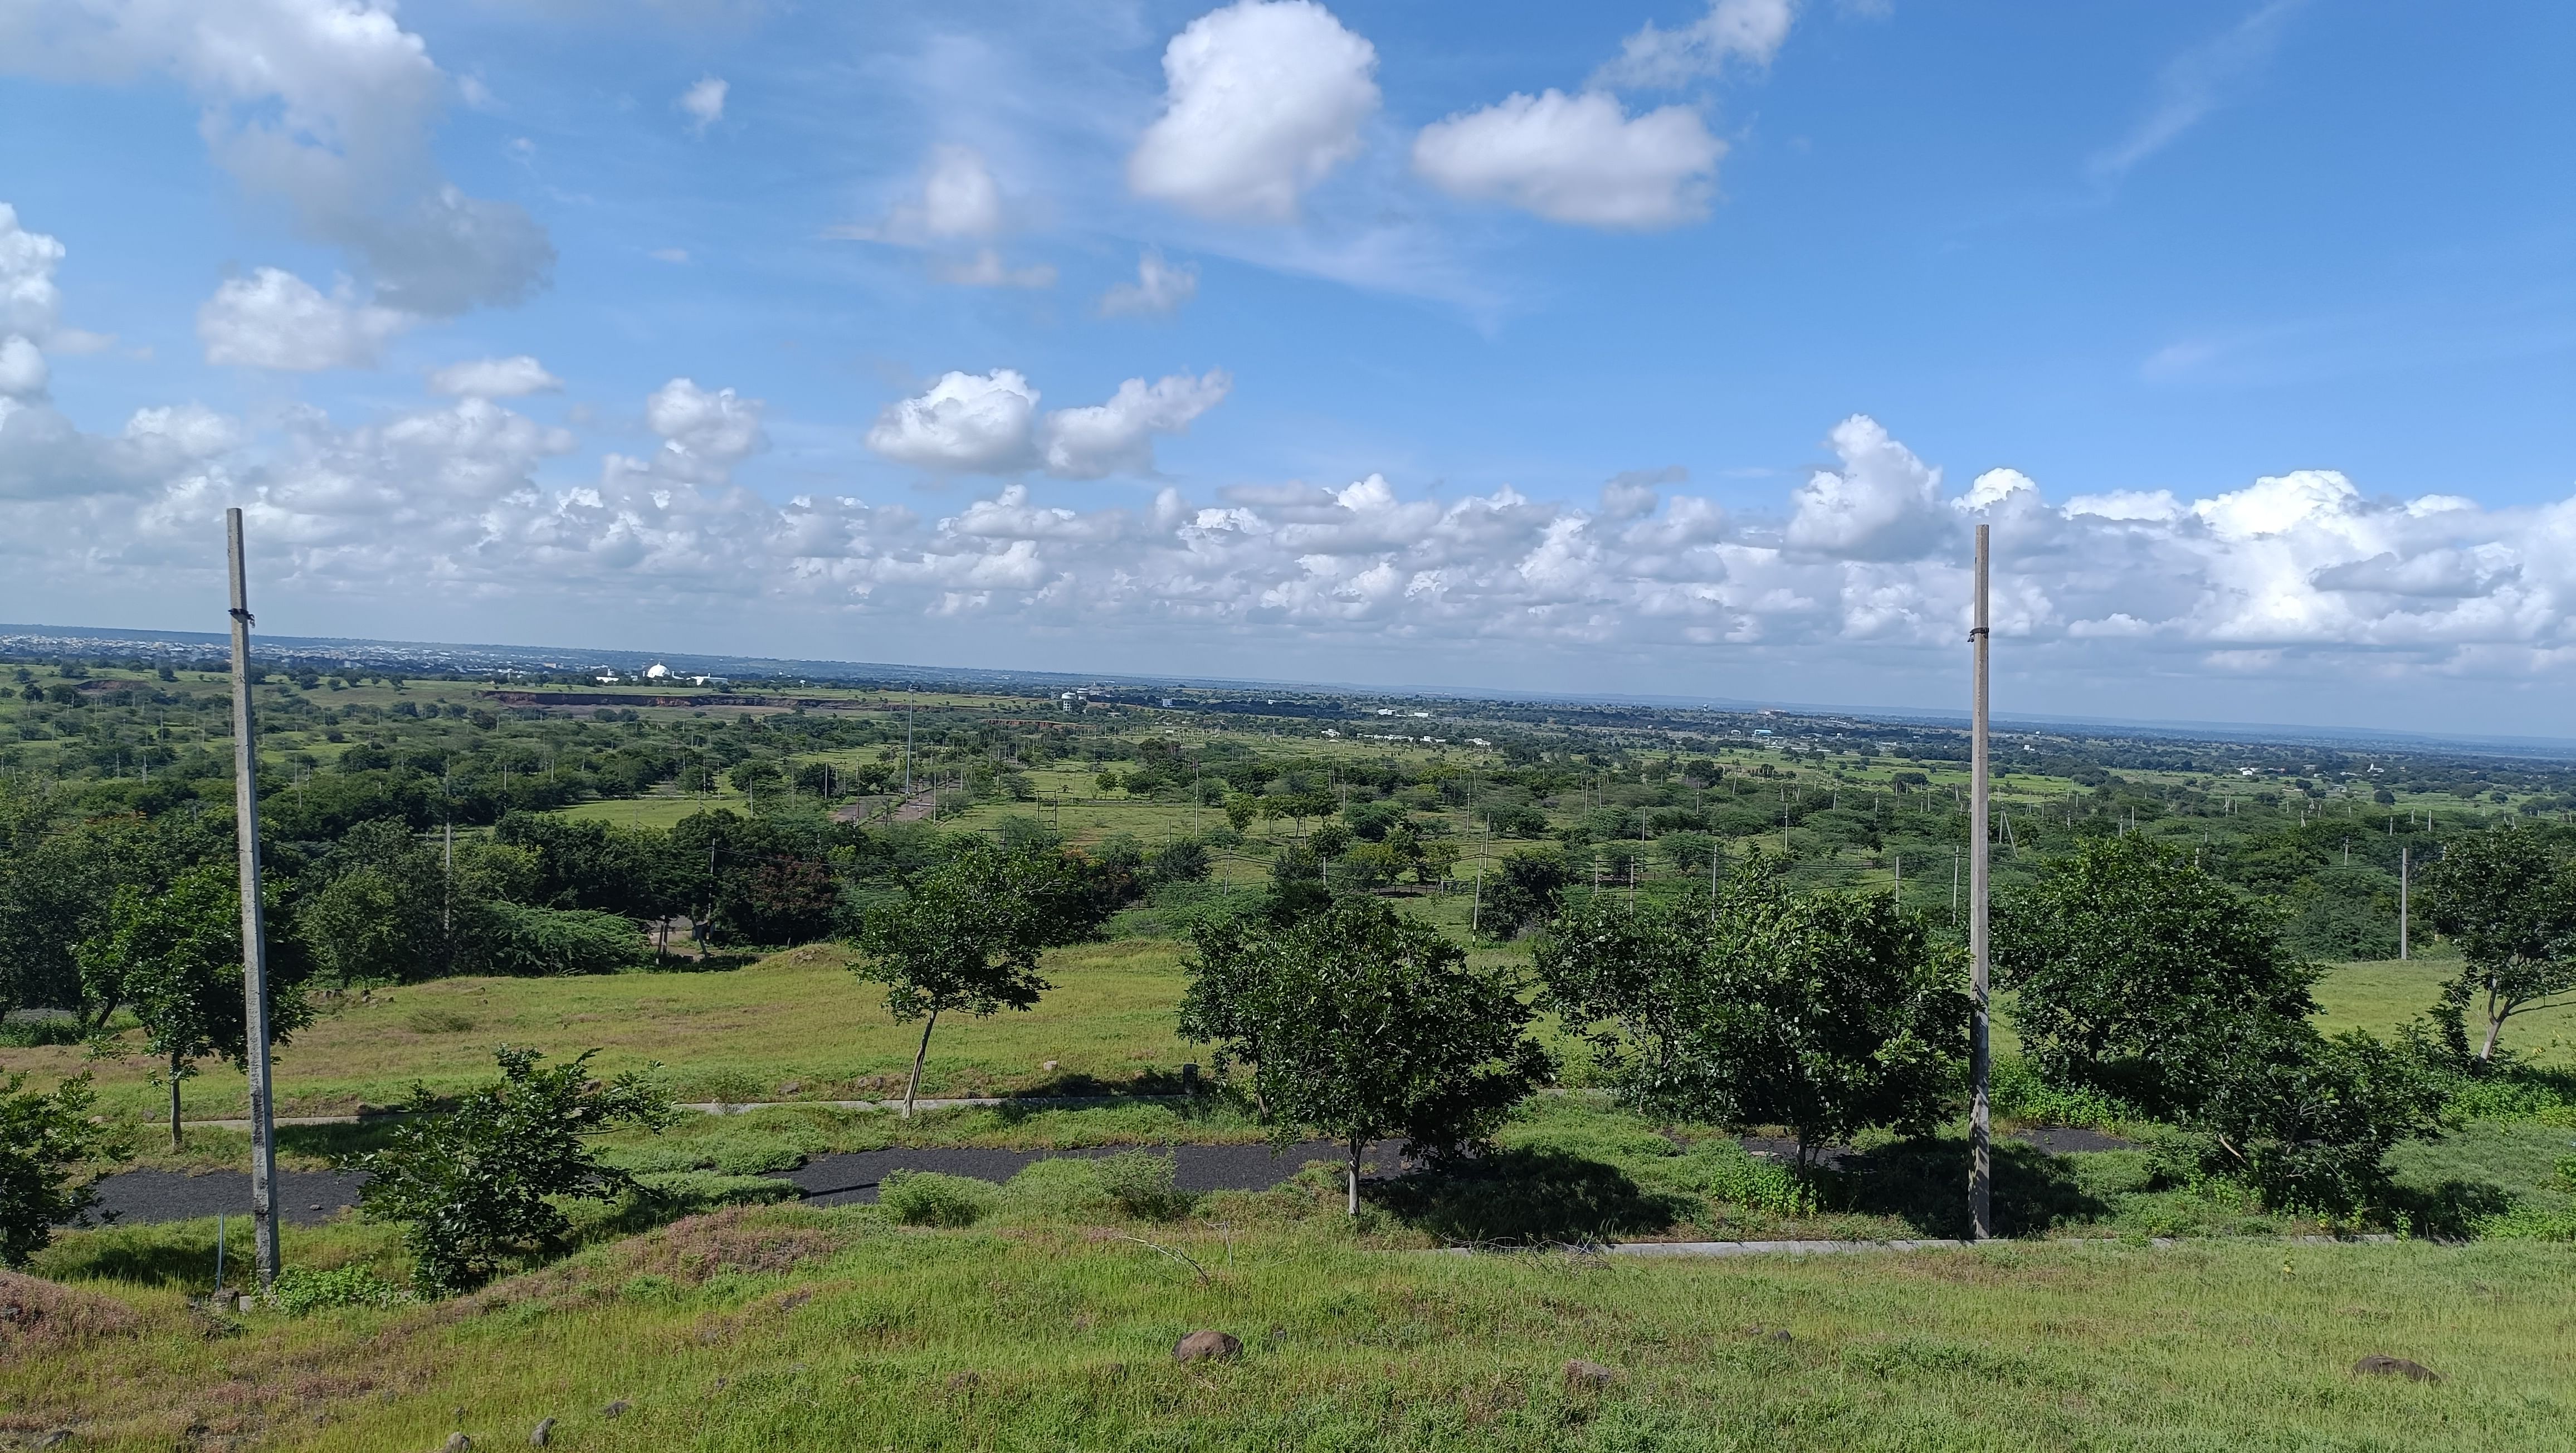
x=1663, y=348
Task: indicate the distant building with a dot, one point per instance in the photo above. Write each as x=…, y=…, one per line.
x=656, y=671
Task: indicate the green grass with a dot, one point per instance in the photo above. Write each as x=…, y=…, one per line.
x=746, y=1034
x=788, y=1328
x=2381, y=996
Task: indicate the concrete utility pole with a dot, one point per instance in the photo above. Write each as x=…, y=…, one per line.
x=1980, y=1058
x=254, y=939
x=2405, y=863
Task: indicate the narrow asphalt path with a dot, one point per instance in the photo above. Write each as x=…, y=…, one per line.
x=140, y=1197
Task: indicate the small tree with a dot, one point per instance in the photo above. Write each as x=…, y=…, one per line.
x=471, y=1188
x=966, y=939
x=176, y=957
x=1826, y=1013
x=355, y=928
x=2128, y=964
x=2306, y=1120
x=42, y=1137
x=2509, y=902
x=1524, y=890
x=1363, y=1023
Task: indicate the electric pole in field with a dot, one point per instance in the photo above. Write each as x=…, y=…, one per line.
x=2405, y=864
x=1980, y=1062
x=254, y=939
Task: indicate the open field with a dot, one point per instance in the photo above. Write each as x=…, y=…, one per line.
x=797, y=1017
x=803, y=1329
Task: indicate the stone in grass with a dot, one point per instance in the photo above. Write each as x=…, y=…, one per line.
x=1208, y=1346
x=2380, y=1364
x=542, y=1434
x=457, y=1443
x=1582, y=1376
x=616, y=1409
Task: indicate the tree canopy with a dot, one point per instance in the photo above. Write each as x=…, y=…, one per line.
x=1826, y=1013
x=966, y=938
x=2127, y=961
x=2508, y=900
x=1364, y=1024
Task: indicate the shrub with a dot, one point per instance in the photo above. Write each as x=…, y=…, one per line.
x=472, y=1189
x=1144, y=1185
x=929, y=1198
x=535, y=942
x=41, y=1138
x=2017, y=1092
x=2529, y=1223
x=301, y=1290
x=1726, y=1171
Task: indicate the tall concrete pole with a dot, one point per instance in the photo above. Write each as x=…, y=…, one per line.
x=254, y=938
x=1980, y=1056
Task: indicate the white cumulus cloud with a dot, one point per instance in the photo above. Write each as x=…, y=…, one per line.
x=965, y=422
x=23, y=369
x=29, y=300
x=989, y=423
x=494, y=378
x=274, y=319
x=1263, y=99
x=1580, y=159
x=1883, y=504
x=1118, y=436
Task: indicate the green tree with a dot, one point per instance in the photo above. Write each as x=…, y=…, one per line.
x=43, y=1138
x=357, y=928
x=2509, y=901
x=966, y=939
x=1363, y=1024
x=2129, y=966
x=2308, y=1120
x=1827, y=1013
x=176, y=957
x=1525, y=889
x=473, y=1188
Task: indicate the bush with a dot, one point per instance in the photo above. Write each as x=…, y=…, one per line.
x=301, y=1290
x=42, y=1137
x=1727, y=1171
x=474, y=1189
x=1144, y=1185
x=2018, y=1092
x=537, y=942
x=929, y=1198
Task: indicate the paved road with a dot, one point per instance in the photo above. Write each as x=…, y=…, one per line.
x=143, y=1196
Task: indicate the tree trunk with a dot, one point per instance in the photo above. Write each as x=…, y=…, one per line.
x=912, y=1087
x=1355, y=1178
x=2495, y=1027
x=174, y=1102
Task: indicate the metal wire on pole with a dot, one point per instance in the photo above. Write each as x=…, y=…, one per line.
x=254, y=939
x=1980, y=1061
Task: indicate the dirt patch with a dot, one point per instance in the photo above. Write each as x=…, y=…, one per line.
x=698, y=1247
x=40, y=1316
